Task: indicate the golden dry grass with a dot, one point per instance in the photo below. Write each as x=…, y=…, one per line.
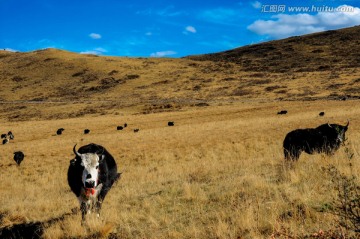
x=218, y=173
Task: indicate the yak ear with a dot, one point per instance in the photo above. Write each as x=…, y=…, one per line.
x=101, y=157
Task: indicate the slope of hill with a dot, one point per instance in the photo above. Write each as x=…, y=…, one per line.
x=51, y=84
x=329, y=50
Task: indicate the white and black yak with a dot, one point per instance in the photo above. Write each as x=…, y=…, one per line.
x=91, y=175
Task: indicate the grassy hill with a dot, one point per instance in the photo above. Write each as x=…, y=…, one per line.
x=331, y=50
x=318, y=66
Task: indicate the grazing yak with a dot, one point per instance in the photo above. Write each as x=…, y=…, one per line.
x=326, y=138
x=18, y=157
x=171, y=123
x=11, y=135
x=119, y=127
x=91, y=175
x=5, y=141
x=86, y=131
x=59, y=131
x=282, y=112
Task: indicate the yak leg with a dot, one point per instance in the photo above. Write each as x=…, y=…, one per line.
x=98, y=207
x=84, y=209
x=292, y=154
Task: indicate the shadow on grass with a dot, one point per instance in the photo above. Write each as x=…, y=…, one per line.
x=31, y=230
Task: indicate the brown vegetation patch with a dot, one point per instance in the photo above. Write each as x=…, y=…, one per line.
x=274, y=87
x=163, y=82
x=18, y=79
x=260, y=82
x=156, y=108
x=132, y=76
x=242, y=92
x=80, y=73
x=201, y=104
x=113, y=72
x=335, y=86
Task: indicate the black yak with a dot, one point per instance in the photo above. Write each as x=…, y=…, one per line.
x=18, y=157
x=11, y=135
x=282, y=112
x=59, y=131
x=326, y=138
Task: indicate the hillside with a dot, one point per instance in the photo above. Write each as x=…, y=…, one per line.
x=330, y=50
x=52, y=84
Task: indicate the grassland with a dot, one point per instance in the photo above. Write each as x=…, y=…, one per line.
x=219, y=173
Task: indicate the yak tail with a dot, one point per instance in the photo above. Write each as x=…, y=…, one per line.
x=118, y=176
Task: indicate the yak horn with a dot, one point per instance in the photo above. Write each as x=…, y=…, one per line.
x=76, y=152
x=329, y=125
x=347, y=123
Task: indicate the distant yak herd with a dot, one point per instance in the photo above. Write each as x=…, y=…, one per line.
x=284, y=112
x=93, y=171
x=19, y=155
x=7, y=137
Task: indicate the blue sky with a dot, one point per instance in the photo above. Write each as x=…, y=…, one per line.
x=164, y=28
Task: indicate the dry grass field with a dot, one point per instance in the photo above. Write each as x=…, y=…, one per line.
x=218, y=173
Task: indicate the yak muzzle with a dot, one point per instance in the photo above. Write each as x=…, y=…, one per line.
x=90, y=184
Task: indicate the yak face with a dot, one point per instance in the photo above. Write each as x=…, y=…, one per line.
x=90, y=163
x=90, y=175
x=340, y=132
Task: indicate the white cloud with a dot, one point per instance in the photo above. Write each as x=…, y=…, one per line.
x=341, y=18
x=256, y=4
x=96, y=51
x=190, y=29
x=148, y=34
x=95, y=36
x=10, y=50
x=163, y=53
x=100, y=49
x=90, y=52
x=285, y=25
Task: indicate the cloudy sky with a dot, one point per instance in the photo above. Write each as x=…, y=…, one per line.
x=162, y=28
